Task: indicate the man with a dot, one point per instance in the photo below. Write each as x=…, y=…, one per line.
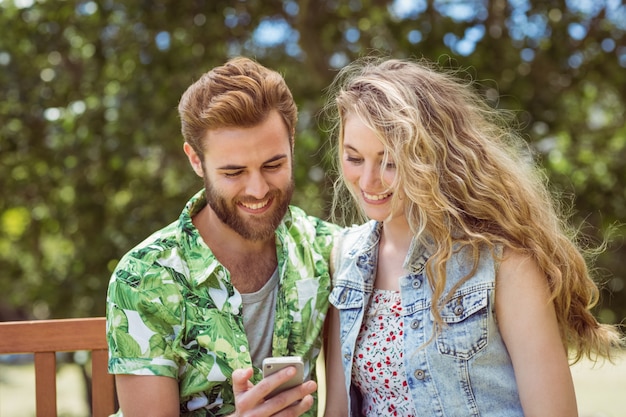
x=240, y=276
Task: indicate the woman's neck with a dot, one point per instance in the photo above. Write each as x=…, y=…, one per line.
x=395, y=241
x=396, y=232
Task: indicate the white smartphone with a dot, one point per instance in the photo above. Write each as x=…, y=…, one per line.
x=275, y=364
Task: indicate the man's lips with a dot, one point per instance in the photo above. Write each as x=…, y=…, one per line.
x=255, y=206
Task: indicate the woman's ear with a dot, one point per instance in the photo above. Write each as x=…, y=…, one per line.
x=194, y=159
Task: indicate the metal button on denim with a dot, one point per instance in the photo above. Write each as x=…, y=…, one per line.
x=419, y=374
x=344, y=297
x=458, y=310
x=417, y=283
x=415, y=324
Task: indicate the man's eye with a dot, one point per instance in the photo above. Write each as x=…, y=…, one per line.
x=273, y=167
x=232, y=174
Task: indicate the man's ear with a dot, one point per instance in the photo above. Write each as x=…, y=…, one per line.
x=194, y=159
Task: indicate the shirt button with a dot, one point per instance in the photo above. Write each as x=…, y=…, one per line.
x=417, y=283
x=346, y=356
x=344, y=297
x=419, y=374
x=415, y=324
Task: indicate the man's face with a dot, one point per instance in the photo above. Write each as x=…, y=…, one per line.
x=248, y=175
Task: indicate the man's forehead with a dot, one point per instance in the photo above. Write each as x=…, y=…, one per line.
x=245, y=146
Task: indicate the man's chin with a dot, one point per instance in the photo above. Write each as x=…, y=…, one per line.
x=256, y=235
x=258, y=229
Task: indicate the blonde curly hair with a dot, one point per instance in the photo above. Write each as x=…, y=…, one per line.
x=467, y=178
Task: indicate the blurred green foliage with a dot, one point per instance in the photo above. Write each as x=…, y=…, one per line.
x=90, y=149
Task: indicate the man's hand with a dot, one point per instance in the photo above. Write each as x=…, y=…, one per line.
x=250, y=399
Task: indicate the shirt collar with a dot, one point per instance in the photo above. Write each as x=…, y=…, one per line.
x=200, y=258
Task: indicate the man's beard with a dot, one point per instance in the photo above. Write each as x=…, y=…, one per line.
x=256, y=228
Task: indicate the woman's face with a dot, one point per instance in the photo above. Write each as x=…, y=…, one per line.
x=361, y=162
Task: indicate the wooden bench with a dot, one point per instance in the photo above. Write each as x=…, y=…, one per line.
x=44, y=338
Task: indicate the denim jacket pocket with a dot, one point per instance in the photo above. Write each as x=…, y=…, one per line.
x=345, y=297
x=465, y=329
x=349, y=303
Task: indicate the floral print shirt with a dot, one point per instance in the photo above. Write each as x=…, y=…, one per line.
x=172, y=310
x=378, y=369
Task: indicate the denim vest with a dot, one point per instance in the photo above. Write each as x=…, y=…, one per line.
x=465, y=370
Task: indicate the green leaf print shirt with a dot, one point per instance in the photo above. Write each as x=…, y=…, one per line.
x=172, y=310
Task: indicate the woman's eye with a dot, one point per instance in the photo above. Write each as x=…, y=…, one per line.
x=353, y=159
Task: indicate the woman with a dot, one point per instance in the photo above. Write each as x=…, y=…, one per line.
x=465, y=291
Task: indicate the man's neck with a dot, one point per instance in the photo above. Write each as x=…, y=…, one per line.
x=250, y=263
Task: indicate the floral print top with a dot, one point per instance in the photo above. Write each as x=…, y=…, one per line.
x=378, y=368
x=172, y=310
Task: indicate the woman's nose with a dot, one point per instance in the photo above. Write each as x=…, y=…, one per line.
x=370, y=177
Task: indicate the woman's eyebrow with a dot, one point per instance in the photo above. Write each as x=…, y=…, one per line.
x=352, y=148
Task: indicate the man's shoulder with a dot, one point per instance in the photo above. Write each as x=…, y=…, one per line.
x=178, y=234
x=158, y=244
x=298, y=218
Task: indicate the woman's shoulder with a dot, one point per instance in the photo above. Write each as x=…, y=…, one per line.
x=359, y=229
x=351, y=235
x=352, y=239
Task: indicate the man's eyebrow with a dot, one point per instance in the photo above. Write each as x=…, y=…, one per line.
x=233, y=167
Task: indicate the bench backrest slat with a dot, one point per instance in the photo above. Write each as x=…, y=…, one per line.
x=44, y=338
x=62, y=335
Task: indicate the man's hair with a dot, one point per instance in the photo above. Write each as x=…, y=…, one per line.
x=240, y=93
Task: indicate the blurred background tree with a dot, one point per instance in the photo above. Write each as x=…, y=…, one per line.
x=91, y=157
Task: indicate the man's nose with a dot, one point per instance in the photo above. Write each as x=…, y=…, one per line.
x=257, y=186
